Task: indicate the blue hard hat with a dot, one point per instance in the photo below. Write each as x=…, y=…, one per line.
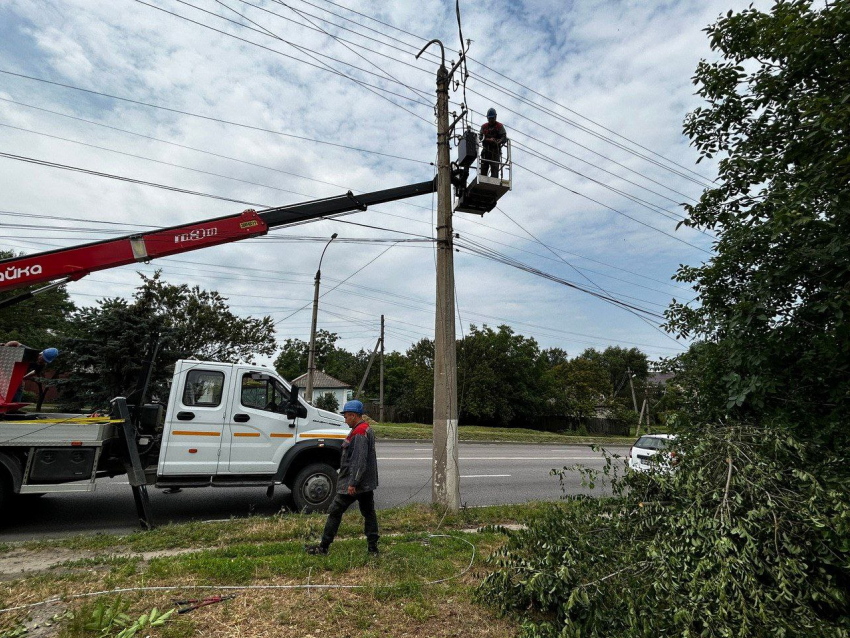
x=353, y=406
x=491, y=113
x=49, y=354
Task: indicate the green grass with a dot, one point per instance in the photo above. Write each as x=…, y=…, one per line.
x=420, y=432
x=281, y=528
x=395, y=593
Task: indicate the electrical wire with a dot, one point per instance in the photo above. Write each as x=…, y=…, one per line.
x=210, y=118
x=343, y=41
x=308, y=586
x=483, y=65
x=338, y=285
x=334, y=144
x=642, y=318
x=626, y=215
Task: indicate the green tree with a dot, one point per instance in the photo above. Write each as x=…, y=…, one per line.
x=339, y=363
x=750, y=534
x=106, y=344
x=327, y=402
x=576, y=388
x=774, y=299
x=37, y=322
x=619, y=361
x=499, y=377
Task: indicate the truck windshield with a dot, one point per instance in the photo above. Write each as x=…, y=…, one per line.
x=263, y=394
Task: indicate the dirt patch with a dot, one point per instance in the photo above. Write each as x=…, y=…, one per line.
x=43, y=621
x=22, y=562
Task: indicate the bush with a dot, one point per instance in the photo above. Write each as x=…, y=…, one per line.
x=742, y=539
x=327, y=402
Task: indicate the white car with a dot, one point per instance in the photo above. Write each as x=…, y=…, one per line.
x=648, y=446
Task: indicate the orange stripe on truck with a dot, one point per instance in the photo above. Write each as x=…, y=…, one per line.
x=194, y=433
x=323, y=436
x=281, y=435
x=251, y=434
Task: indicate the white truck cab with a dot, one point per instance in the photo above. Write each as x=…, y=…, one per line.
x=228, y=424
x=224, y=425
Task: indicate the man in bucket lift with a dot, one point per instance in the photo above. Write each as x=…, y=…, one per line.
x=493, y=136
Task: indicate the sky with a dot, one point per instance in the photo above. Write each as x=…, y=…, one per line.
x=593, y=95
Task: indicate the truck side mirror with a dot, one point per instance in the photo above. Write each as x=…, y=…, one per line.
x=294, y=409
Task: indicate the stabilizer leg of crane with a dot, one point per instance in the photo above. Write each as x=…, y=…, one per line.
x=133, y=464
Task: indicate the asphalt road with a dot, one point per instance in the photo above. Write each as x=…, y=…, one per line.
x=491, y=474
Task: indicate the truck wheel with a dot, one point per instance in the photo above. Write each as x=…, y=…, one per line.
x=314, y=488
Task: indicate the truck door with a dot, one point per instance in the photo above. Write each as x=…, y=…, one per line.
x=259, y=432
x=195, y=426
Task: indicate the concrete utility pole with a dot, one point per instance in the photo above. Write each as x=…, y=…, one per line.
x=632, y=386
x=311, y=359
x=381, y=393
x=446, y=480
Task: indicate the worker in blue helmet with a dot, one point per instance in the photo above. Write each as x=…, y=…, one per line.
x=45, y=357
x=358, y=478
x=493, y=137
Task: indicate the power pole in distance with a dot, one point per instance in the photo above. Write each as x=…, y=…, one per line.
x=311, y=357
x=381, y=392
x=632, y=386
x=445, y=488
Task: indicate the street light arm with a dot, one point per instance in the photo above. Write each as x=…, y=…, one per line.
x=319, y=269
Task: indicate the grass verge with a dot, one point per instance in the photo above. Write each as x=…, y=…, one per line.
x=393, y=595
x=418, y=431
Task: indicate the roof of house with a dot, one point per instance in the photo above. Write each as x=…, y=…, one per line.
x=660, y=378
x=321, y=379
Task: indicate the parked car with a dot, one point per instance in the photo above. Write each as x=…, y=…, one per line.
x=650, y=445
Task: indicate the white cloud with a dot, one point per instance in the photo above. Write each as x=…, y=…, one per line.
x=626, y=65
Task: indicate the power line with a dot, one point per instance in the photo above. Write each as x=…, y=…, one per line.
x=212, y=119
x=509, y=261
x=424, y=305
x=596, y=201
x=420, y=38
x=493, y=85
x=312, y=54
x=642, y=318
x=323, y=142
x=77, y=169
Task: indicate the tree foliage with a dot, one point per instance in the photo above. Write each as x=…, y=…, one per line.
x=38, y=322
x=327, y=402
x=749, y=535
x=106, y=344
x=738, y=542
x=775, y=298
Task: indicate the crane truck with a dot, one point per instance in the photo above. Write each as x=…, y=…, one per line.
x=223, y=425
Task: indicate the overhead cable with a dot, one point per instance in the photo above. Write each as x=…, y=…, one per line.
x=212, y=119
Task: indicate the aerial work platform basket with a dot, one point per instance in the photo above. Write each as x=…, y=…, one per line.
x=481, y=194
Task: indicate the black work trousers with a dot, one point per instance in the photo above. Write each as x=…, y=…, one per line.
x=342, y=502
x=490, y=159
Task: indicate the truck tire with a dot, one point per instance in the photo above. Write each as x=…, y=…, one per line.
x=314, y=488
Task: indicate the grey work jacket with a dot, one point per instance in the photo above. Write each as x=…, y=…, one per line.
x=359, y=465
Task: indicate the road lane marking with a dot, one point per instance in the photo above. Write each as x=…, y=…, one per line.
x=494, y=458
x=483, y=475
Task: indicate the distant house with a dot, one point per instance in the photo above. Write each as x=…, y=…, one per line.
x=660, y=378
x=324, y=383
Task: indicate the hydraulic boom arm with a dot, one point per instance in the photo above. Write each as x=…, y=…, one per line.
x=70, y=264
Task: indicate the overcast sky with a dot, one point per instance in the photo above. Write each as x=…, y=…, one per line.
x=624, y=66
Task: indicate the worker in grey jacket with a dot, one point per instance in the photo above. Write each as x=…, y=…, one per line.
x=358, y=478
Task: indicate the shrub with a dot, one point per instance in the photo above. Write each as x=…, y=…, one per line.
x=742, y=539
